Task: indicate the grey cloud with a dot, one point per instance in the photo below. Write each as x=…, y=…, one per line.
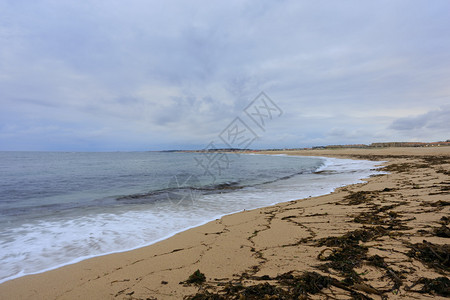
x=435, y=119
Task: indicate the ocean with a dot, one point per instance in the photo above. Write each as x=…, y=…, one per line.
x=58, y=208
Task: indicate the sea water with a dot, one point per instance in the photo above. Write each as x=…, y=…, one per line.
x=58, y=208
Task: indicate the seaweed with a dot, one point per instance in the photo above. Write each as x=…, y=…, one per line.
x=353, y=237
x=443, y=171
x=439, y=203
x=369, y=218
x=310, y=283
x=313, y=283
x=287, y=286
x=346, y=254
x=403, y=167
x=205, y=295
x=262, y=290
x=380, y=215
x=444, y=220
x=350, y=255
x=360, y=197
x=231, y=288
x=378, y=261
x=439, y=286
x=196, y=278
x=434, y=255
x=344, y=260
x=356, y=198
x=436, y=160
x=442, y=231
x=428, y=161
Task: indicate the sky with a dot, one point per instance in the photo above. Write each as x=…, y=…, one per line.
x=109, y=75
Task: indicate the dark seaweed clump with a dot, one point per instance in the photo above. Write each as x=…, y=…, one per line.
x=356, y=198
x=439, y=286
x=444, y=220
x=442, y=231
x=263, y=290
x=382, y=215
x=205, y=295
x=349, y=254
x=307, y=283
x=287, y=287
x=196, y=278
x=353, y=237
x=344, y=260
x=434, y=255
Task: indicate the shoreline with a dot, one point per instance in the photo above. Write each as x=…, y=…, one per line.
x=227, y=248
x=282, y=198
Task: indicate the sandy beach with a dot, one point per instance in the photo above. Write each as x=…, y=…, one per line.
x=384, y=239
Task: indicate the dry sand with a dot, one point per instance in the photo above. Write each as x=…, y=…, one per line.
x=373, y=240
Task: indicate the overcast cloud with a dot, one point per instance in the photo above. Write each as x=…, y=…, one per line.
x=141, y=75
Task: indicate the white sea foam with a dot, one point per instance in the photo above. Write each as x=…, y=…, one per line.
x=41, y=245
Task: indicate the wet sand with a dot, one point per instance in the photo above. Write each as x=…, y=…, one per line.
x=387, y=238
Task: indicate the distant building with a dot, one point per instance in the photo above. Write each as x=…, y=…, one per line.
x=408, y=144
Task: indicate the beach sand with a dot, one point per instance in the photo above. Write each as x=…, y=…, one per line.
x=375, y=240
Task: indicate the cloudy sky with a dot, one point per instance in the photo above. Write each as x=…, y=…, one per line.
x=107, y=75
